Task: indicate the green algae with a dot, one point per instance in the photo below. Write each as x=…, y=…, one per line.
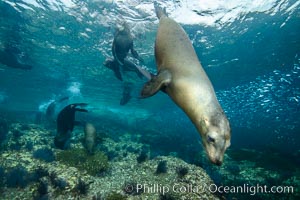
x=115, y=196
x=79, y=158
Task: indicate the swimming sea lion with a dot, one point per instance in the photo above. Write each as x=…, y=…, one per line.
x=122, y=43
x=10, y=57
x=65, y=124
x=182, y=77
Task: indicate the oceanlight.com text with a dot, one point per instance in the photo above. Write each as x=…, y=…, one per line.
x=251, y=189
x=212, y=188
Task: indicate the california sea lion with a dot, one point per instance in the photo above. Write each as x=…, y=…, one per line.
x=90, y=137
x=12, y=57
x=182, y=77
x=123, y=42
x=65, y=124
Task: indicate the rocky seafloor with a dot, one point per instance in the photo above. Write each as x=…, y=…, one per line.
x=33, y=169
x=123, y=168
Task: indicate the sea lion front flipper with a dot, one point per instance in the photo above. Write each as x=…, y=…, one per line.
x=79, y=104
x=156, y=83
x=81, y=110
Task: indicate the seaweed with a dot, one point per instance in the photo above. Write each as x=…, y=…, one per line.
x=93, y=164
x=162, y=167
x=44, y=154
x=115, y=196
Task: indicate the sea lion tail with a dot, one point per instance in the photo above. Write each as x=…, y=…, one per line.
x=159, y=10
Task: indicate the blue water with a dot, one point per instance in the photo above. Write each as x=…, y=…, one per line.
x=252, y=59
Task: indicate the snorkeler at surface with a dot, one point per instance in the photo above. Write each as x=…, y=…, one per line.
x=65, y=124
x=122, y=44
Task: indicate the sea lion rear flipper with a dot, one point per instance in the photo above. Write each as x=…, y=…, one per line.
x=156, y=83
x=144, y=73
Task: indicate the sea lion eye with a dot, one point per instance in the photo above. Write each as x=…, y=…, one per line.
x=210, y=139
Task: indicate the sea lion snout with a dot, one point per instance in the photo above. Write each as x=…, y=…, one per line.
x=215, y=156
x=215, y=142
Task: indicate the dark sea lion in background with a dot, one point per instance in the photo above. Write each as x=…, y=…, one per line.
x=10, y=56
x=122, y=43
x=182, y=77
x=65, y=124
